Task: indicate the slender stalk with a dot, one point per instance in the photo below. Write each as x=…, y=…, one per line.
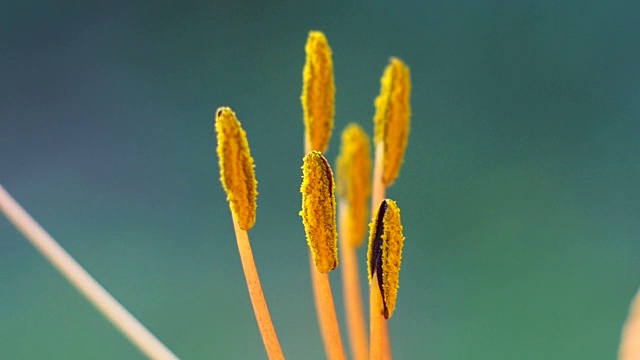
x=351, y=289
x=630, y=342
x=376, y=320
x=106, y=304
x=269, y=337
x=379, y=192
x=326, y=311
x=325, y=307
x=386, y=343
x=239, y=182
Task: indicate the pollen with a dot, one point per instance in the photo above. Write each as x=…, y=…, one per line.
x=385, y=252
x=318, y=92
x=319, y=211
x=236, y=168
x=353, y=183
x=392, y=118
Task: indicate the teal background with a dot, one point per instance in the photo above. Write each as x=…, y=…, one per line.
x=519, y=193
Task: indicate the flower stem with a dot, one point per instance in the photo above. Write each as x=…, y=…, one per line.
x=326, y=311
x=98, y=296
x=376, y=320
x=269, y=337
x=379, y=192
x=351, y=289
x=386, y=344
x=325, y=307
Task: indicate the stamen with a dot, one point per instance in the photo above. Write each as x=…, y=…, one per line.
x=236, y=167
x=318, y=92
x=385, y=252
x=392, y=118
x=319, y=211
x=354, y=181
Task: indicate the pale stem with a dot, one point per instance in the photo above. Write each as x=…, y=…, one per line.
x=106, y=304
x=269, y=337
x=378, y=194
x=386, y=343
x=630, y=341
x=376, y=320
x=351, y=288
x=326, y=311
x=325, y=307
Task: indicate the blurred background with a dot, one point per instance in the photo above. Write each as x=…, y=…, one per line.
x=519, y=193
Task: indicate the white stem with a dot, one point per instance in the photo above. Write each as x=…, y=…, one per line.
x=122, y=319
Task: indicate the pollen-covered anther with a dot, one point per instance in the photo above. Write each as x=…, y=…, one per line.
x=236, y=167
x=318, y=92
x=353, y=183
x=319, y=211
x=392, y=118
x=385, y=253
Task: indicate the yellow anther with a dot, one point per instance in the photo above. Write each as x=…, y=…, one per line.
x=385, y=252
x=236, y=167
x=318, y=92
x=319, y=211
x=392, y=118
x=354, y=180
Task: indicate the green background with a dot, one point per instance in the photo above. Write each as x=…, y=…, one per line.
x=520, y=191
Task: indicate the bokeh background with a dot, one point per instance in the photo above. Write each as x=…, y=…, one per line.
x=519, y=193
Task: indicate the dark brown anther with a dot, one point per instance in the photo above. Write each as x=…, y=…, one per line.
x=375, y=264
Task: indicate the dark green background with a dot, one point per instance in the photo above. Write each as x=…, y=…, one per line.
x=520, y=191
